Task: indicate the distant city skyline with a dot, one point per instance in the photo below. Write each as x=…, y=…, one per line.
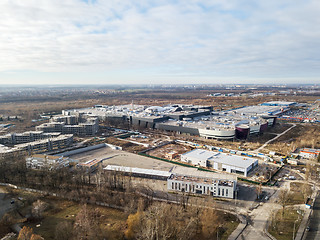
x=159, y=42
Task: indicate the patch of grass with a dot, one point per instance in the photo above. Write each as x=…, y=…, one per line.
x=282, y=227
x=300, y=192
x=230, y=226
x=113, y=222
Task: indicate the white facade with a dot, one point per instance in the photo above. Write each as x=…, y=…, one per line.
x=46, y=162
x=206, y=186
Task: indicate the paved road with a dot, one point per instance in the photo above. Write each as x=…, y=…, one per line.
x=258, y=220
x=5, y=205
x=278, y=135
x=314, y=224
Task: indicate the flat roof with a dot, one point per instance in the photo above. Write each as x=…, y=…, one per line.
x=138, y=170
x=205, y=180
x=91, y=163
x=280, y=103
x=224, y=158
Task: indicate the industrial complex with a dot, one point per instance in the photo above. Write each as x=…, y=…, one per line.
x=192, y=120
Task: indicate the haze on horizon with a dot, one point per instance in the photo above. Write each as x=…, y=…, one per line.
x=159, y=42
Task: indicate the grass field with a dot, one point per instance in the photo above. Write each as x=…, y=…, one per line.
x=282, y=226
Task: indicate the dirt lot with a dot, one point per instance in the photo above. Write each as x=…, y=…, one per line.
x=263, y=171
x=161, y=152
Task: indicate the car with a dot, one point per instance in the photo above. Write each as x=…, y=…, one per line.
x=308, y=229
x=12, y=202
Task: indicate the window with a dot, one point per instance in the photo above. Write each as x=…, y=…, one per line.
x=222, y=192
x=172, y=185
x=227, y=192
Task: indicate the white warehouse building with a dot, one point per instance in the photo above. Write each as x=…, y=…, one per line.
x=220, y=161
x=215, y=187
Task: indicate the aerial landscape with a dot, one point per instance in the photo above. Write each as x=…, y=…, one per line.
x=159, y=120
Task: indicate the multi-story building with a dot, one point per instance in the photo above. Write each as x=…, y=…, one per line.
x=199, y=185
x=25, y=137
x=44, y=145
x=41, y=161
x=81, y=125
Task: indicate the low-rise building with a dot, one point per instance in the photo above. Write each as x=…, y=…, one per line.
x=91, y=165
x=139, y=172
x=42, y=161
x=309, y=153
x=199, y=185
x=220, y=161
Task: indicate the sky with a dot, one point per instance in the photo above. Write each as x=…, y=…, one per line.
x=159, y=42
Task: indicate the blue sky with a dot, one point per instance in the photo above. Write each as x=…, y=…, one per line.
x=151, y=42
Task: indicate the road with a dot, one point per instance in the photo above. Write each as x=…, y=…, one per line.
x=258, y=220
x=278, y=135
x=5, y=204
x=314, y=224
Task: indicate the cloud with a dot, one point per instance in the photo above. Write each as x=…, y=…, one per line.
x=246, y=39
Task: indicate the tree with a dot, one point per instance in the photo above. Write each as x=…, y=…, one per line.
x=259, y=190
x=209, y=223
x=284, y=199
x=36, y=237
x=38, y=207
x=87, y=224
x=133, y=222
x=63, y=231
x=25, y=233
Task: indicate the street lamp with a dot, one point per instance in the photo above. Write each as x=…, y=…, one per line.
x=294, y=228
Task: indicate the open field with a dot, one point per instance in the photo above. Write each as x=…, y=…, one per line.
x=282, y=227
x=112, y=221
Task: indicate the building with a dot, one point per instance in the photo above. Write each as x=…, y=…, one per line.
x=279, y=103
x=185, y=119
x=140, y=172
x=172, y=155
x=44, y=145
x=42, y=161
x=25, y=137
x=91, y=165
x=220, y=161
x=199, y=185
x=309, y=153
x=79, y=124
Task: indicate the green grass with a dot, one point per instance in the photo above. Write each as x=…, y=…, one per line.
x=282, y=226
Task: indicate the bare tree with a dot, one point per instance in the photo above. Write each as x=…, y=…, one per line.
x=284, y=199
x=64, y=231
x=25, y=233
x=38, y=207
x=87, y=224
